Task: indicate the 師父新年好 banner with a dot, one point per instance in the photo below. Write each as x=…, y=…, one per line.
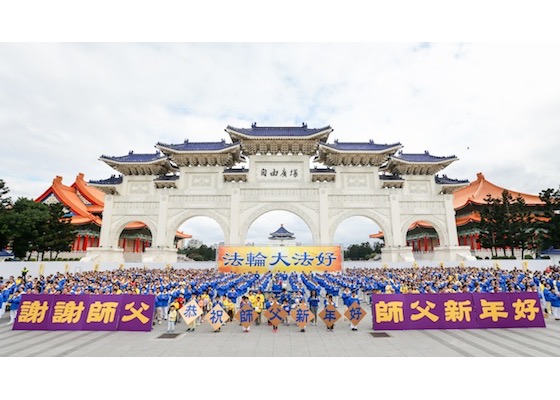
x=456, y=311
x=103, y=312
x=242, y=259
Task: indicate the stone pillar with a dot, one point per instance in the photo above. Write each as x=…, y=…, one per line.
x=324, y=220
x=161, y=250
x=234, y=236
x=396, y=249
x=107, y=251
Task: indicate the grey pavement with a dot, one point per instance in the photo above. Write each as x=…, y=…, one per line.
x=261, y=341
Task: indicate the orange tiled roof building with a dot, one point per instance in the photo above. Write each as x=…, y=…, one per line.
x=84, y=205
x=467, y=202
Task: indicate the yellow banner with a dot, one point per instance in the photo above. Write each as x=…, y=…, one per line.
x=242, y=259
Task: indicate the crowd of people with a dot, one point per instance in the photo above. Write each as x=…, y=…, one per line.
x=209, y=286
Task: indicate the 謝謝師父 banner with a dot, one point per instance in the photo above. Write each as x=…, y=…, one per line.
x=103, y=312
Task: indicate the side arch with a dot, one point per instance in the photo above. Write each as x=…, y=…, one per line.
x=437, y=224
x=376, y=217
x=177, y=220
x=119, y=224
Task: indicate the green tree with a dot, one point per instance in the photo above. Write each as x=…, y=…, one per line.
x=522, y=226
x=5, y=206
x=506, y=223
x=27, y=221
x=492, y=218
x=362, y=251
x=549, y=225
x=202, y=253
x=58, y=232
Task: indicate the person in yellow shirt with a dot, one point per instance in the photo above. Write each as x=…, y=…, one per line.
x=252, y=297
x=171, y=319
x=257, y=303
x=229, y=307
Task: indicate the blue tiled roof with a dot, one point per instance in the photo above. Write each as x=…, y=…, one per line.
x=113, y=180
x=444, y=180
x=281, y=232
x=4, y=253
x=279, y=131
x=425, y=157
x=322, y=171
x=132, y=157
x=361, y=146
x=236, y=171
x=167, y=178
x=197, y=146
x=386, y=177
x=551, y=251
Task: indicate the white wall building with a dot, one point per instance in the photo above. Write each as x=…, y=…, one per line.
x=191, y=179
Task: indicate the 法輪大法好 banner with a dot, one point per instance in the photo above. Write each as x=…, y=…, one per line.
x=126, y=312
x=242, y=259
x=456, y=311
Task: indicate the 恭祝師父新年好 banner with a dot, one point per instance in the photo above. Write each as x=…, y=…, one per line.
x=242, y=259
x=104, y=312
x=456, y=311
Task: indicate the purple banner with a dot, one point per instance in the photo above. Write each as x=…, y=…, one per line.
x=85, y=312
x=456, y=311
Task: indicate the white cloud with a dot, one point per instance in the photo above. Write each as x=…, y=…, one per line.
x=493, y=105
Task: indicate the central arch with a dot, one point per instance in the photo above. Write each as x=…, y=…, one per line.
x=249, y=216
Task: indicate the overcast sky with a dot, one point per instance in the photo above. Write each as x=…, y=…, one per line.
x=493, y=105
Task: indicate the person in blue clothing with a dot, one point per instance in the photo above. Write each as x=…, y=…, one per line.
x=313, y=301
x=329, y=302
x=3, y=299
x=14, y=302
x=351, y=300
x=160, y=304
x=286, y=306
x=555, y=303
x=232, y=295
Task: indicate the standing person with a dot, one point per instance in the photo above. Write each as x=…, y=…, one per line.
x=351, y=300
x=229, y=307
x=24, y=272
x=286, y=306
x=3, y=299
x=244, y=301
x=258, y=305
x=14, y=305
x=267, y=303
x=555, y=303
x=313, y=302
x=302, y=327
x=160, y=306
x=330, y=302
x=171, y=319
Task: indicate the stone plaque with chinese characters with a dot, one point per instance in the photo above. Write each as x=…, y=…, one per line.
x=190, y=311
x=355, y=314
x=330, y=315
x=246, y=315
x=275, y=314
x=279, y=172
x=216, y=317
x=302, y=315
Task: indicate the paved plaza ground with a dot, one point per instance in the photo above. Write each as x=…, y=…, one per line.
x=261, y=341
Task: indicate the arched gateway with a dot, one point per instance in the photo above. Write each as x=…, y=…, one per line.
x=190, y=179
